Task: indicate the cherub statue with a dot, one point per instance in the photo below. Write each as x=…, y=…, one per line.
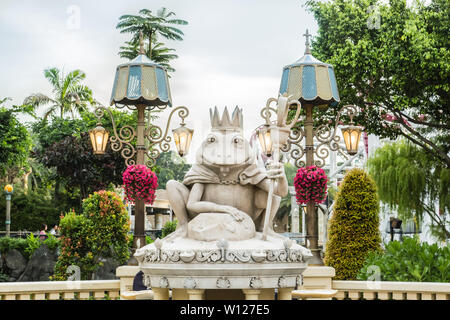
x=224, y=195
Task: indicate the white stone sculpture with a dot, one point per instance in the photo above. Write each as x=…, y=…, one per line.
x=224, y=195
x=221, y=211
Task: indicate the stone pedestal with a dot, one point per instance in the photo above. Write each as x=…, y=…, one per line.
x=249, y=269
x=317, y=278
x=126, y=275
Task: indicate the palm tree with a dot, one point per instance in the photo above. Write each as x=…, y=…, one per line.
x=70, y=95
x=152, y=26
x=159, y=53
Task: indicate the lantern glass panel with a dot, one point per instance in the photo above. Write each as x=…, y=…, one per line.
x=182, y=137
x=351, y=138
x=99, y=139
x=266, y=141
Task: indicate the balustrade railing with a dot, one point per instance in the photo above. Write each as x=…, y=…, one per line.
x=391, y=290
x=61, y=290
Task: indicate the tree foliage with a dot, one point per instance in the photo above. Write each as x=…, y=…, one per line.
x=64, y=144
x=413, y=183
x=170, y=166
x=158, y=53
x=30, y=210
x=151, y=25
x=354, y=226
x=70, y=95
x=15, y=144
x=392, y=59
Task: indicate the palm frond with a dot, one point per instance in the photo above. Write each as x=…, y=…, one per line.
x=51, y=110
x=37, y=99
x=53, y=76
x=72, y=80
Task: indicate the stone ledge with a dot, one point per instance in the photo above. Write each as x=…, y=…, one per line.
x=127, y=271
x=319, y=272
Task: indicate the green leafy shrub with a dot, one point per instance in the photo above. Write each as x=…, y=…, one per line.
x=52, y=242
x=4, y=277
x=354, y=226
x=33, y=243
x=168, y=228
x=75, y=248
x=27, y=246
x=409, y=260
x=100, y=231
x=7, y=243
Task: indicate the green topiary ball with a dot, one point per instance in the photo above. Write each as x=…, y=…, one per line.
x=353, y=230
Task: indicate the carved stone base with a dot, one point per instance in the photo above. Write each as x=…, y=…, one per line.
x=255, y=264
x=255, y=250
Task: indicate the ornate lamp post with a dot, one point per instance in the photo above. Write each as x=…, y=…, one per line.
x=9, y=190
x=141, y=85
x=313, y=84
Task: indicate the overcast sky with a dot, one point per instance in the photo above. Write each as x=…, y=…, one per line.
x=232, y=54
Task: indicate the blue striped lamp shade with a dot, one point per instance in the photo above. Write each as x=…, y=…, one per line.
x=141, y=81
x=310, y=81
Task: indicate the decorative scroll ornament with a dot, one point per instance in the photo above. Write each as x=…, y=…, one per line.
x=147, y=282
x=159, y=140
x=223, y=256
x=282, y=282
x=327, y=138
x=189, y=283
x=120, y=141
x=299, y=281
x=223, y=283
x=256, y=283
x=163, y=282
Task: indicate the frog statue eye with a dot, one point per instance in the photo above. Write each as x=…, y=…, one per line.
x=211, y=139
x=237, y=140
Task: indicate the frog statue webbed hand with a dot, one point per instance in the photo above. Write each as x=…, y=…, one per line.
x=224, y=194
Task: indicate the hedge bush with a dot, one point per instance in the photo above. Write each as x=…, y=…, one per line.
x=34, y=243
x=354, y=226
x=30, y=210
x=27, y=246
x=409, y=260
x=169, y=227
x=7, y=243
x=99, y=232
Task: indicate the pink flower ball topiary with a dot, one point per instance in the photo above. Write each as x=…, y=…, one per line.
x=310, y=185
x=140, y=183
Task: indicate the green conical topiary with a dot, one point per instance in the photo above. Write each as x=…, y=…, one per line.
x=353, y=230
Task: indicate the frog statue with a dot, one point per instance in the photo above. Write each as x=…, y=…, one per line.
x=224, y=194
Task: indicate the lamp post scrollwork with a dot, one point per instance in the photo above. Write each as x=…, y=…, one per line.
x=328, y=140
x=159, y=141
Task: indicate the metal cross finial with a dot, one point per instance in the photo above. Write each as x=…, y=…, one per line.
x=141, y=43
x=307, y=35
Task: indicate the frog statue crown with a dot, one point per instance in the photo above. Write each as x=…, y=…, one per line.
x=225, y=123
